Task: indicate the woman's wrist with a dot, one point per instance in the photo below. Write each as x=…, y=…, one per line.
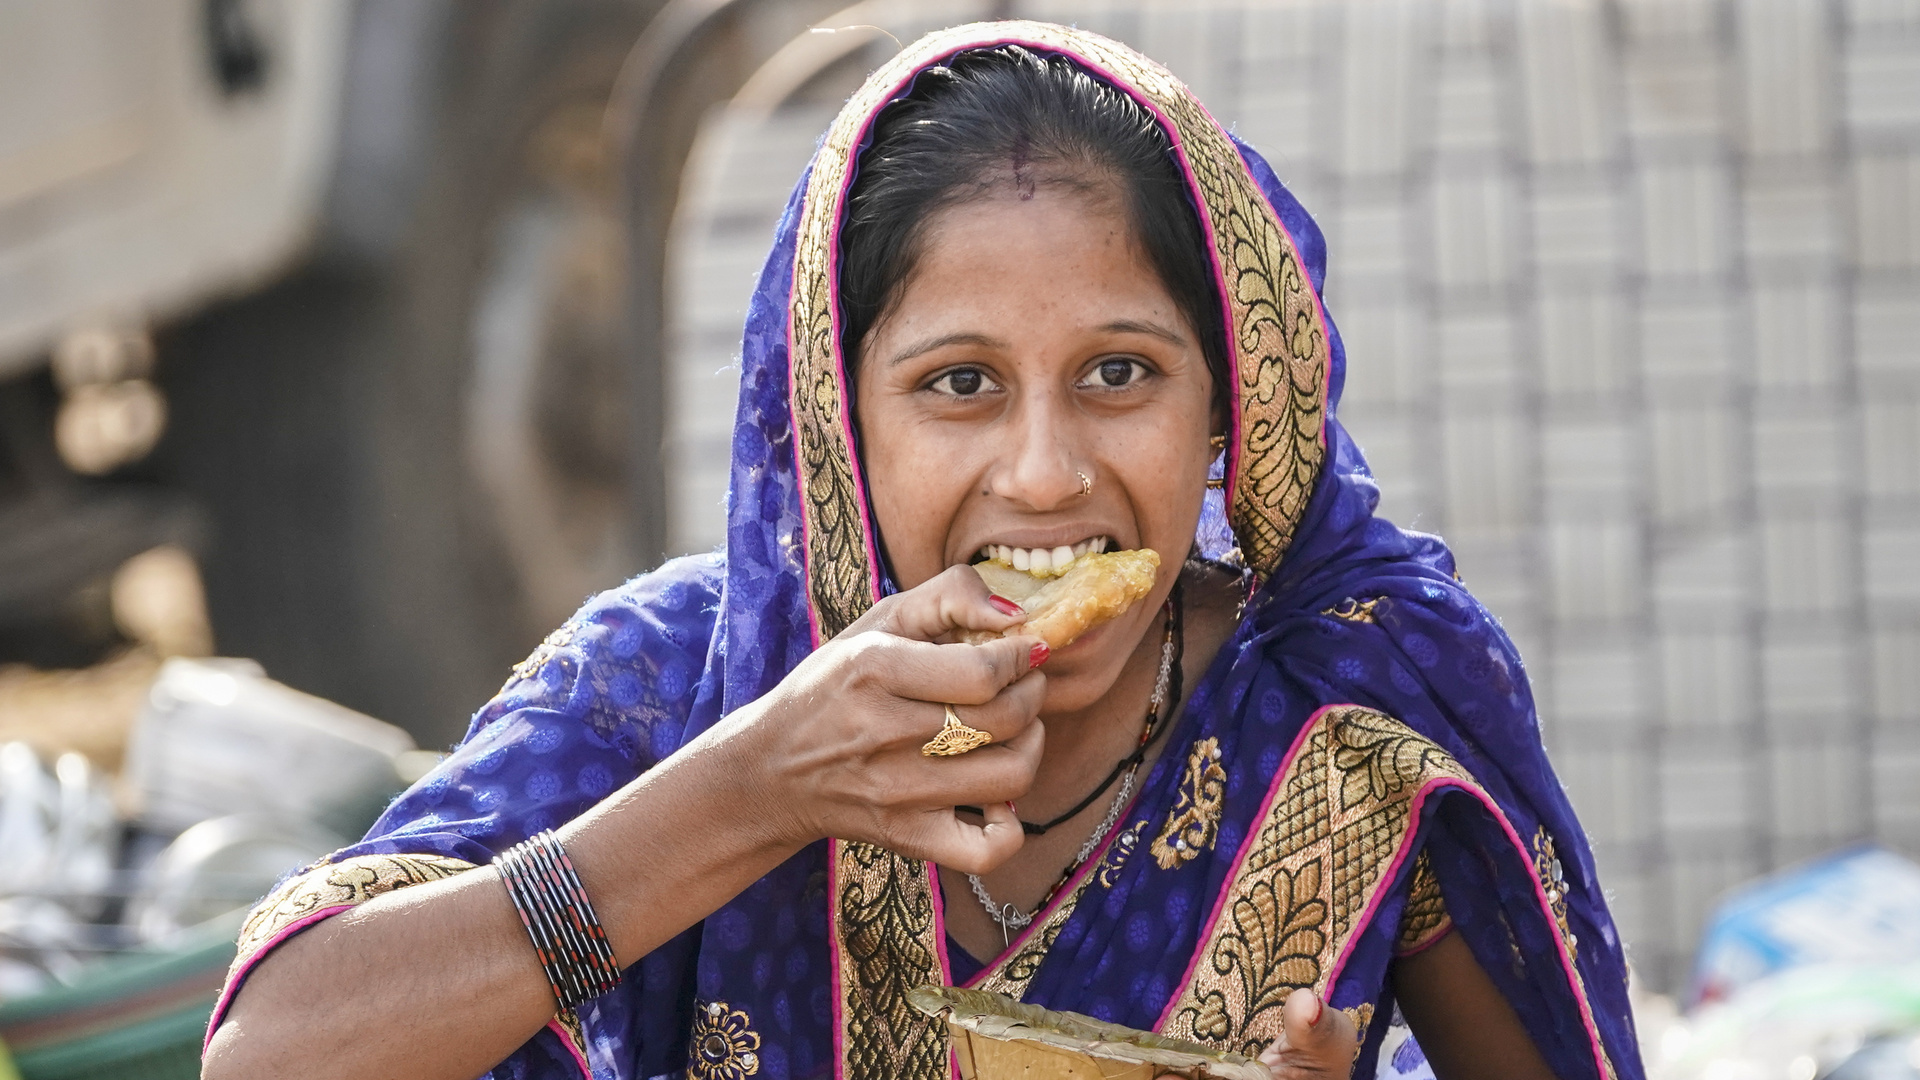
x=677, y=843
x=758, y=799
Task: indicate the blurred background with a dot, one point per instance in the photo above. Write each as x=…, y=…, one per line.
x=363, y=339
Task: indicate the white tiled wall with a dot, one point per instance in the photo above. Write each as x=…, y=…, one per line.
x=742, y=170
x=1631, y=292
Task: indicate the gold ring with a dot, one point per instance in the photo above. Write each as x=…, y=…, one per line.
x=955, y=738
x=1086, y=485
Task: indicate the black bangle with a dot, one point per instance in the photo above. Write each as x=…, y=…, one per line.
x=582, y=931
x=553, y=907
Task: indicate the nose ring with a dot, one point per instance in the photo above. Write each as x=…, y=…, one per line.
x=1086, y=485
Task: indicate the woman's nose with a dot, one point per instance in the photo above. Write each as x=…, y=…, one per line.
x=1039, y=468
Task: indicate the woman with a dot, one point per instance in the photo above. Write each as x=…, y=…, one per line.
x=1029, y=297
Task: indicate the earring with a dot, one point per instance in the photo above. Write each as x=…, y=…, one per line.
x=1217, y=483
x=1218, y=442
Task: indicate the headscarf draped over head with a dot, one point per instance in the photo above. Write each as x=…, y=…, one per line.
x=1359, y=771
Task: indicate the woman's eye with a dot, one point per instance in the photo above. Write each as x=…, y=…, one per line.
x=963, y=382
x=1117, y=372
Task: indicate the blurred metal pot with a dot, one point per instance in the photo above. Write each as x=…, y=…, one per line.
x=219, y=867
x=219, y=738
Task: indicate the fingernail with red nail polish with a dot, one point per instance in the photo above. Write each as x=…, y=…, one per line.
x=1004, y=606
x=1038, y=656
x=1319, y=1010
x=1012, y=809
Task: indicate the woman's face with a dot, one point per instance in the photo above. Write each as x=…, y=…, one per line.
x=1033, y=343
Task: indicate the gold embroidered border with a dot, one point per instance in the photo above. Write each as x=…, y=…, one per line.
x=884, y=934
x=1424, y=920
x=839, y=574
x=349, y=882
x=1308, y=874
x=1013, y=974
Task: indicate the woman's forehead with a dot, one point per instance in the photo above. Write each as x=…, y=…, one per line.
x=1058, y=255
x=1007, y=220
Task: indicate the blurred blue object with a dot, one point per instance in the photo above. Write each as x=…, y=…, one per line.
x=1807, y=1022
x=1893, y=1058
x=1858, y=905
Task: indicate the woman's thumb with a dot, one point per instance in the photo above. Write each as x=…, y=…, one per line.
x=1314, y=1039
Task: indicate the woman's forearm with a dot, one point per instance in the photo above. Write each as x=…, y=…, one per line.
x=1464, y=1024
x=439, y=980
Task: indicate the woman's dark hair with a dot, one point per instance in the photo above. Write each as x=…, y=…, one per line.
x=1008, y=113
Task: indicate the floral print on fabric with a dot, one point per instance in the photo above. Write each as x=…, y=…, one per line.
x=1195, y=823
x=724, y=1045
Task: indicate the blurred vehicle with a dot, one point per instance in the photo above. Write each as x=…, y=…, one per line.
x=358, y=301
x=327, y=292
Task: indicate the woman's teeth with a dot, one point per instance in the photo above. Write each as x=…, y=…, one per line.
x=1043, y=561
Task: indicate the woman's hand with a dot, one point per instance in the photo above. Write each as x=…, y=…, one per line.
x=837, y=743
x=1315, y=1042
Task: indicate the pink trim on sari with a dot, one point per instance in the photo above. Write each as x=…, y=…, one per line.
x=576, y=1052
x=1574, y=982
x=241, y=970
x=1400, y=857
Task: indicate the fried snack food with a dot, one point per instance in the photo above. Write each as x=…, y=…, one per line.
x=998, y=1038
x=1060, y=609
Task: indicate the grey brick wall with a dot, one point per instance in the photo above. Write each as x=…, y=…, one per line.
x=1631, y=292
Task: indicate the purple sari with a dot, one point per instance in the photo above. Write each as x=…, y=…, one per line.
x=1358, y=772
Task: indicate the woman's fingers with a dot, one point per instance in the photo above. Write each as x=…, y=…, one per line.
x=955, y=600
x=991, y=774
x=968, y=848
x=1005, y=716
x=990, y=778
x=855, y=716
x=1316, y=1041
x=959, y=674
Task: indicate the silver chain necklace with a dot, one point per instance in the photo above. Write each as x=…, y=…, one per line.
x=1012, y=919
